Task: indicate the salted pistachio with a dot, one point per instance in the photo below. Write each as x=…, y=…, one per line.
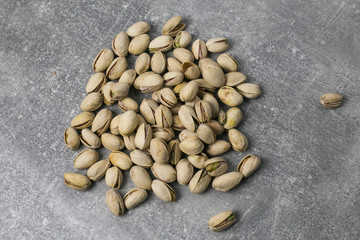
x=147, y=110
x=173, y=64
x=222, y=117
x=115, y=202
x=212, y=72
x=139, y=44
x=101, y=121
x=119, y=90
x=233, y=117
x=248, y=165
x=185, y=134
x=141, y=158
x=204, y=87
x=90, y=139
x=92, y=102
x=120, y=159
x=127, y=122
x=215, y=108
x=71, y=138
x=103, y=60
x=217, y=45
x=114, y=125
x=163, y=191
x=77, y=181
x=188, y=118
x=206, y=134
x=238, y=140
x=227, y=181
x=85, y=159
x=155, y=96
x=200, y=181
x=117, y=67
x=233, y=79
x=218, y=147
x=140, y=177
x=173, y=26
x=158, y=62
x=189, y=91
x=120, y=44
x=184, y=171
x=331, y=100
x=227, y=62
x=190, y=70
x=129, y=142
x=165, y=134
x=193, y=102
x=134, y=197
x=191, y=146
x=230, y=96
x=142, y=63
x=82, y=120
x=127, y=104
x=203, y=111
x=162, y=44
x=173, y=78
x=163, y=116
x=199, y=49
x=167, y=97
x=114, y=177
x=249, y=90
x=128, y=77
x=183, y=55
x=174, y=151
x=164, y=171
x=217, y=128
x=138, y=28
x=97, y=170
x=177, y=124
x=221, y=221
x=198, y=161
x=148, y=82
x=216, y=166
x=143, y=136
x=112, y=142
x=159, y=150
x=182, y=39
x=108, y=96
x=141, y=120
x=96, y=82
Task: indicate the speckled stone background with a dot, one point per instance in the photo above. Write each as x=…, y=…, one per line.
x=308, y=186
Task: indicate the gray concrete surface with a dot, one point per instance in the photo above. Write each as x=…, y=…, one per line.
x=308, y=184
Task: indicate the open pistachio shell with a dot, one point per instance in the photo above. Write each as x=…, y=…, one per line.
x=221, y=221
x=216, y=166
x=163, y=191
x=115, y=202
x=200, y=181
x=77, y=181
x=248, y=165
x=173, y=26
x=134, y=197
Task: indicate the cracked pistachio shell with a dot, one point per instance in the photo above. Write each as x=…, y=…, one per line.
x=114, y=125
x=147, y=110
x=155, y=96
x=238, y=140
x=173, y=64
x=97, y=170
x=199, y=49
x=193, y=102
x=108, y=96
x=249, y=90
x=200, y=181
x=127, y=104
x=120, y=44
x=183, y=55
x=159, y=150
x=222, y=117
x=129, y=142
x=134, y=197
x=92, y=102
x=142, y=63
x=71, y=138
x=128, y=77
x=167, y=97
x=158, y=62
x=233, y=117
x=85, y=159
x=203, y=111
x=212, y=72
x=188, y=118
x=233, y=79
x=230, y=96
x=163, y=116
x=96, y=83
x=138, y=28
x=182, y=39
x=178, y=88
x=162, y=44
x=103, y=60
x=206, y=134
x=218, y=147
x=216, y=166
x=173, y=26
x=139, y=44
x=120, y=160
x=177, y=124
x=189, y=91
x=140, y=120
x=143, y=136
x=227, y=181
x=164, y=133
x=204, y=86
x=140, y=177
x=198, y=161
x=331, y=100
x=112, y=142
x=101, y=121
x=184, y=171
x=173, y=78
x=119, y=90
x=248, y=165
x=190, y=70
x=77, y=181
x=117, y=67
x=128, y=122
x=141, y=158
x=174, y=151
x=148, y=82
x=164, y=171
x=185, y=134
x=214, y=104
x=163, y=191
x=115, y=202
x=113, y=177
x=217, y=128
x=221, y=221
x=191, y=146
x=82, y=120
x=90, y=139
x=227, y=62
x=217, y=45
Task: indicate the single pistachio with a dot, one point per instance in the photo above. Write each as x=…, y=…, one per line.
x=143, y=137
x=189, y=91
x=238, y=140
x=120, y=160
x=97, y=170
x=155, y=96
x=198, y=161
x=77, y=181
x=165, y=134
x=141, y=158
x=200, y=181
x=159, y=150
x=218, y=147
x=173, y=64
x=174, y=151
x=134, y=197
x=182, y=39
x=163, y=116
x=204, y=86
x=92, y=102
x=129, y=142
x=158, y=62
x=127, y=104
x=83, y=120
x=85, y=159
x=227, y=181
x=206, y=134
x=167, y=97
x=221, y=221
x=142, y=63
x=184, y=171
x=148, y=82
x=173, y=26
x=127, y=122
x=249, y=90
x=162, y=44
x=114, y=125
x=113, y=177
x=188, y=118
x=248, y=165
x=178, y=87
x=331, y=100
x=101, y=121
x=185, y=134
x=90, y=139
x=108, y=95
x=193, y=102
x=173, y=78
x=128, y=77
x=199, y=49
x=96, y=83
x=212, y=72
x=177, y=124
x=112, y=142
x=217, y=45
x=183, y=55
x=213, y=103
x=138, y=28
x=233, y=117
x=120, y=44
x=140, y=177
x=191, y=146
x=233, y=79
x=190, y=70
x=71, y=138
x=115, y=202
x=164, y=171
x=203, y=111
x=119, y=90
x=230, y=96
x=147, y=110
x=217, y=128
x=103, y=60
x=117, y=67
x=222, y=117
x=163, y=191
x=216, y=166
x=139, y=44
x=227, y=62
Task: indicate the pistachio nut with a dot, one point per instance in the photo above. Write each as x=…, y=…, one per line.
x=82, y=120
x=206, y=134
x=139, y=44
x=140, y=177
x=184, y=171
x=183, y=55
x=233, y=117
x=216, y=166
x=134, y=197
x=95, y=83
x=155, y=96
x=77, y=181
x=117, y=67
x=249, y=90
x=198, y=161
x=163, y=116
x=114, y=125
x=128, y=77
x=147, y=110
x=227, y=62
x=190, y=70
x=85, y=159
x=218, y=147
x=238, y=140
x=182, y=39
x=217, y=45
x=129, y=142
x=143, y=136
x=191, y=146
x=120, y=44
x=115, y=202
x=188, y=118
x=331, y=100
x=165, y=134
x=142, y=63
x=127, y=122
x=199, y=49
x=97, y=170
x=217, y=128
x=108, y=95
x=230, y=96
x=167, y=97
x=177, y=124
x=203, y=111
x=213, y=103
x=189, y=91
x=119, y=90
x=193, y=102
x=92, y=102
x=112, y=142
x=127, y=104
x=141, y=158
x=178, y=88
x=233, y=79
x=173, y=78
x=173, y=64
x=221, y=221
x=200, y=181
x=212, y=72
x=162, y=44
x=90, y=139
x=71, y=138
x=138, y=28
x=159, y=150
x=227, y=181
x=204, y=86
x=174, y=151
x=120, y=160
x=185, y=134
x=158, y=62
x=113, y=177
x=248, y=165
x=148, y=82
x=103, y=60
x=222, y=117
x=164, y=171
x=163, y=191
x=173, y=26
x=101, y=121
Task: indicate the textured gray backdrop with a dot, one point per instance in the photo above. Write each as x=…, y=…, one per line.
x=308, y=184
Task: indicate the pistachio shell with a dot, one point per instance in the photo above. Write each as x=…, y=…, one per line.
x=233, y=79
x=227, y=62
x=114, y=125
x=189, y=91
x=199, y=49
x=174, y=151
x=101, y=121
x=92, y=102
x=227, y=181
x=90, y=139
x=139, y=44
x=221, y=221
x=85, y=159
x=249, y=90
x=212, y=72
x=230, y=96
x=129, y=142
x=127, y=104
x=108, y=94
x=71, y=138
x=128, y=77
x=159, y=150
x=200, y=181
x=217, y=128
x=233, y=117
x=216, y=166
x=183, y=55
x=204, y=86
x=188, y=118
x=162, y=44
x=117, y=67
x=112, y=142
x=222, y=117
x=216, y=45
x=248, y=165
x=238, y=140
x=134, y=197
x=103, y=60
x=97, y=170
x=77, y=181
x=141, y=158
x=198, y=161
x=140, y=177
x=173, y=78
x=163, y=116
x=119, y=90
x=205, y=134
x=213, y=104
x=173, y=64
x=147, y=110
x=158, y=62
x=218, y=147
x=163, y=191
x=115, y=202
x=113, y=177
x=143, y=137
x=190, y=70
x=184, y=171
x=182, y=39
x=173, y=26
x=120, y=160
x=178, y=88
x=203, y=111
x=127, y=122
x=148, y=82
x=167, y=97
x=331, y=100
x=95, y=83
x=193, y=102
x=191, y=146
x=177, y=124
x=138, y=28
x=185, y=134
x=142, y=63
x=164, y=171
x=120, y=44
x=83, y=120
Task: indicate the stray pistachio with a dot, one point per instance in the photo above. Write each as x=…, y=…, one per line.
x=227, y=62
x=182, y=39
x=134, y=197
x=233, y=79
x=120, y=44
x=96, y=82
x=117, y=67
x=77, y=181
x=83, y=120
x=163, y=191
x=71, y=138
x=113, y=177
x=248, y=165
x=115, y=202
x=221, y=221
x=217, y=45
x=249, y=90
x=138, y=28
x=92, y=102
x=331, y=100
x=227, y=181
x=238, y=140
x=103, y=60
x=85, y=159
x=173, y=26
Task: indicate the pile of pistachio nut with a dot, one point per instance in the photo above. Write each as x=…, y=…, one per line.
x=183, y=117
